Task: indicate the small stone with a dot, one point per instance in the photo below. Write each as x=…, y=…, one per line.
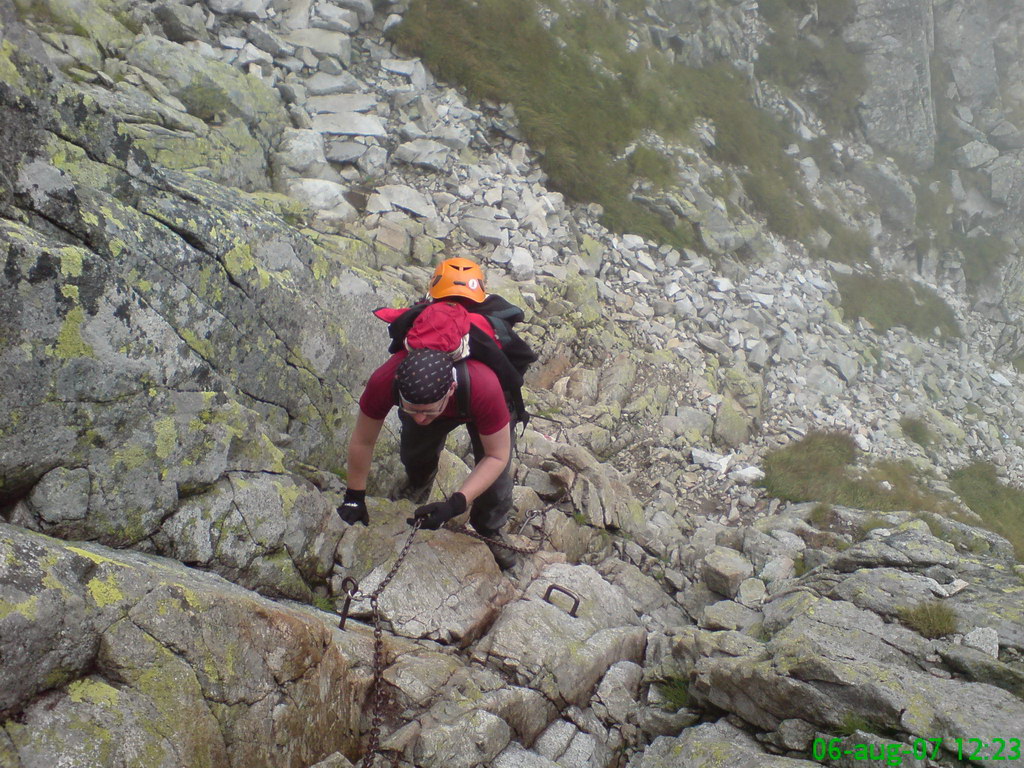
x=751, y=593
x=984, y=639
x=725, y=569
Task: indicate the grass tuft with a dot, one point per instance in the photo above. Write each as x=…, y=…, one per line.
x=917, y=430
x=1000, y=506
x=820, y=516
x=820, y=468
x=853, y=723
x=931, y=619
x=888, y=302
x=325, y=603
x=675, y=691
x=872, y=523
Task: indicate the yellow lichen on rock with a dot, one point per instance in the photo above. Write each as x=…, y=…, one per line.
x=166, y=437
x=93, y=691
x=69, y=339
x=105, y=591
x=71, y=259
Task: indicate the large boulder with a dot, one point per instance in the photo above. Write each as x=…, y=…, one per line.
x=447, y=588
x=169, y=343
x=210, y=88
x=112, y=654
x=563, y=655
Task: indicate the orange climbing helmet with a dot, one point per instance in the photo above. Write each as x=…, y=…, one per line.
x=457, y=277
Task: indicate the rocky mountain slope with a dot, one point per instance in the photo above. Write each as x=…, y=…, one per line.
x=200, y=204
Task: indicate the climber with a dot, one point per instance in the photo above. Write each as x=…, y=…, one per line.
x=436, y=390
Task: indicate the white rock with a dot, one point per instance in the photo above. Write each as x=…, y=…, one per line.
x=302, y=148
x=974, y=154
x=522, y=264
x=317, y=193
x=364, y=8
x=724, y=570
x=232, y=41
x=408, y=199
x=323, y=42
x=751, y=593
x=423, y=152
x=341, y=102
x=410, y=68
x=248, y=8
x=338, y=19
x=710, y=460
x=514, y=756
x=810, y=170
x=350, y=124
x=483, y=231
x=344, y=151
x=777, y=569
x=323, y=84
x=984, y=639
x=956, y=586
x=747, y=475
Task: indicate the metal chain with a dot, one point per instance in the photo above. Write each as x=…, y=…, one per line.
x=504, y=544
x=376, y=689
x=538, y=543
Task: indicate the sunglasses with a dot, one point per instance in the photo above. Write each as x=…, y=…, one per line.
x=414, y=409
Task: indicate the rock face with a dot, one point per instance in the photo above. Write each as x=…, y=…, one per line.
x=898, y=39
x=200, y=203
x=111, y=654
x=563, y=655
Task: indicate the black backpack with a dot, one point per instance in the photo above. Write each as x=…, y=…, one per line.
x=506, y=354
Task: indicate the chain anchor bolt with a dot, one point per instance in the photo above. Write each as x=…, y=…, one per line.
x=564, y=591
x=351, y=587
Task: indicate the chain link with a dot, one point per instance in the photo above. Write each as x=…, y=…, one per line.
x=504, y=544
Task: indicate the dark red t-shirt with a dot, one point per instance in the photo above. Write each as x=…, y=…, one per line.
x=487, y=408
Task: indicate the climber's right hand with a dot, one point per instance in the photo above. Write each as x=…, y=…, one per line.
x=353, y=508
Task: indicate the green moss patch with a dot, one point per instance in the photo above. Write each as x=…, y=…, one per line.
x=917, y=430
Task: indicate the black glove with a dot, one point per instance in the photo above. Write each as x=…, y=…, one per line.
x=433, y=516
x=353, y=508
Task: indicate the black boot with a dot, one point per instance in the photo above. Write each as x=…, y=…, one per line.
x=503, y=556
x=416, y=490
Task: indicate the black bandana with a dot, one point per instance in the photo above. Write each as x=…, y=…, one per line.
x=424, y=376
